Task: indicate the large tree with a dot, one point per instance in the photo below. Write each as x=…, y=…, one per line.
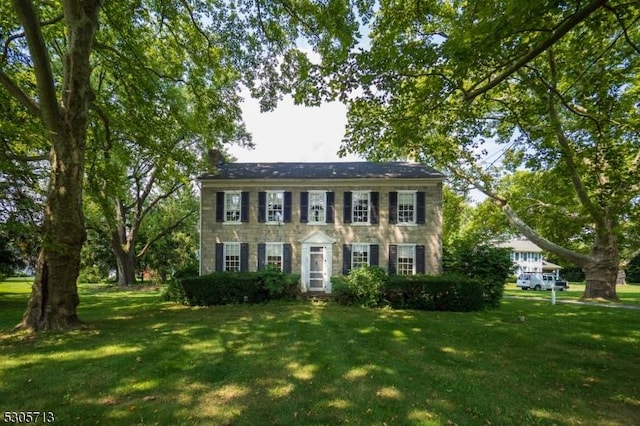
x=547, y=85
x=46, y=66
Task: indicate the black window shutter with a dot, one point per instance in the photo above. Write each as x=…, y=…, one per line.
x=374, y=254
x=375, y=202
x=286, y=258
x=393, y=258
x=262, y=206
x=347, y=207
x=219, y=257
x=420, y=214
x=244, y=257
x=346, y=259
x=219, y=206
x=287, y=207
x=244, y=206
x=331, y=202
x=420, y=260
x=262, y=250
x=304, y=207
x=393, y=207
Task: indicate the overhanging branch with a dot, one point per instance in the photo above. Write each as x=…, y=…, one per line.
x=559, y=32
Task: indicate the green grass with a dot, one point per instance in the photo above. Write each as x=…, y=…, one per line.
x=628, y=294
x=149, y=362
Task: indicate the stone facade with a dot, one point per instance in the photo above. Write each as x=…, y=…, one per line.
x=332, y=236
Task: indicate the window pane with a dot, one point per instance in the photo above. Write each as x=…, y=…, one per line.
x=232, y=257
x=406, y=207
x=275, y=206
x=360, y=207
x=405, y=260
x=232, y=206
x=317, y=207
x=359, y=255
x=274, y=255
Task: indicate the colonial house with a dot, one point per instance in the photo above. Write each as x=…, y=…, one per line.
x=321, y=219
x=528, y=257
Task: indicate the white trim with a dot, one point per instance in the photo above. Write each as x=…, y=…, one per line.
x=353, y=193
x=368, y=250
x=224, y=208
x=414, y=220
x=310, y=220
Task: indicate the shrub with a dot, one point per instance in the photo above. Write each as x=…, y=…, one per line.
x=490, y=266
x=363, y=286
x=449, y=292
x=222, y=288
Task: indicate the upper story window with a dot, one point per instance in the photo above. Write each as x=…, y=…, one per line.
x=406, y=207
x=361, y=207
x=275, y=206
x=317, y=207
x=360, y=202
x=232, y=206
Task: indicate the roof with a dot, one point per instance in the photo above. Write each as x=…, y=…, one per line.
x=523, y=246
x=337, y=170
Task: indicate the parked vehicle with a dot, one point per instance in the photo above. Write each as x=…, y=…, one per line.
x=537, y=281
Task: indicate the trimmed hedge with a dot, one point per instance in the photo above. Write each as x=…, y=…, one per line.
x=372, y=287
x=224, y=288
x=434, y=293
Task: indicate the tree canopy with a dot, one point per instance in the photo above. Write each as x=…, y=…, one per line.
x=552, y=87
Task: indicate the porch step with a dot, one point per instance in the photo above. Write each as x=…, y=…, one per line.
x=315, y=295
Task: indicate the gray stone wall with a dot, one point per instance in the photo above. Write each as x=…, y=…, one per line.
x=383, y=233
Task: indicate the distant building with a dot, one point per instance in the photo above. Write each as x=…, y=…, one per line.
x=527, y=257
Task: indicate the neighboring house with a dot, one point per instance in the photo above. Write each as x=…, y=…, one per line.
x=527, y=257
x=321, y=219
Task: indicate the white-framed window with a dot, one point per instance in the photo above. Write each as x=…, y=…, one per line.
x=275, y=206
x=407, y=207
x=231, y=255
x=360, y=206
x=232, y=206
x=406, y=261
x=274, y=255
x=360, y=255
x=317, y=206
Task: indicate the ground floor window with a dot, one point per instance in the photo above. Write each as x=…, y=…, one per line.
x=406, y=260
x=359, y=255
x=232, y=257
x=273, y=254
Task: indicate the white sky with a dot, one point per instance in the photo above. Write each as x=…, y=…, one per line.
x=293, y=132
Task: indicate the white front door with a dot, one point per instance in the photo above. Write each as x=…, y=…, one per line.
x=316, y=268
x=316, y=262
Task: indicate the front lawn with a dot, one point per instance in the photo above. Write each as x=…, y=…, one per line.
x=628, y=294
x=149, y=362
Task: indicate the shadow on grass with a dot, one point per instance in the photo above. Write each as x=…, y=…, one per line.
x=145, y=362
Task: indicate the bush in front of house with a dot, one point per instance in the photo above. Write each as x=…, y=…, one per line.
x=361, y=287
x=489, y=265
x=372, y=287
x=225, y=288
x=448, y=292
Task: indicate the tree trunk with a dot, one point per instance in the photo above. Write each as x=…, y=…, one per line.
x=54, y=295
x=601, y=273
x=126, y=263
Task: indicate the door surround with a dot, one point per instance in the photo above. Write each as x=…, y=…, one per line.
x=316, y=247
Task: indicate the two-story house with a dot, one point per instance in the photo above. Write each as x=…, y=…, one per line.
x=321, y=219
x=528, y=257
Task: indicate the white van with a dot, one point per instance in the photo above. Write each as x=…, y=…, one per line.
x=537, y=281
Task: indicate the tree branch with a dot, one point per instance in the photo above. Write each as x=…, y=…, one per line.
x=165, y=232
x=41, y=64
x=19, y=95
x=559, y=32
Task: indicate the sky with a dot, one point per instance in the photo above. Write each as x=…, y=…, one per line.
x=293, y=133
